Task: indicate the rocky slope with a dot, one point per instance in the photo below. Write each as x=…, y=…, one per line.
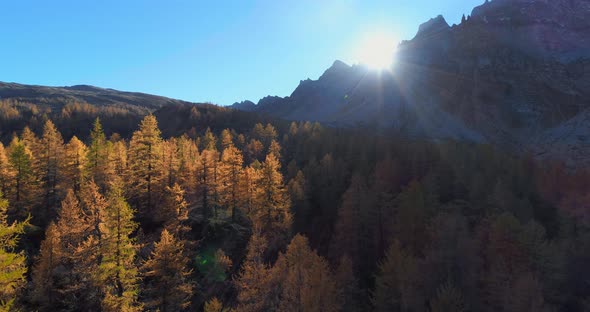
x=515, y=73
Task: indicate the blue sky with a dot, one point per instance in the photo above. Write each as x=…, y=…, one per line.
x=201, y=51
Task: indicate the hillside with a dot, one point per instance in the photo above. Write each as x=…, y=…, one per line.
x=56, y=97
x=74, y=108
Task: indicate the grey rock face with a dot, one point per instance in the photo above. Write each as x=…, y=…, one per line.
x=246, y=106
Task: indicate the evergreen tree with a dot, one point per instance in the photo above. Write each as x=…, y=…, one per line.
x=209, y=141
x=253, y=151
x=349, y=293
x=29, y=139
x=307, y=283
x=6, y=171
x=348, y=236
x=275, y=149
x=269, y=134
x=188, y=154
x=167, y=287
x=23, y=189
x=254, y=284
x=208, y=176
x=416, y=206
x=12, y=263
x=73, y=223
x=299, y=198
x=50, y=157
x=99, y=167
x=396, y=282
x=241, y=141
x=272, y=215
x=231, y=170
x=118, y=274
x=58, y=278
x=75, y=163
x=226, y=139
x=257, y=132
x=47, y=278
x=119, y=159
x=387, y=184
x=94, y=205
x=145, y=166
x=249, y=193
x=506, y=261
x=327, y=181
x=174, y=212
x=88, y=254
x=452, y=259
x=170, y=161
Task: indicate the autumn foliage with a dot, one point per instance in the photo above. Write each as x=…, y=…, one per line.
x=292, y=217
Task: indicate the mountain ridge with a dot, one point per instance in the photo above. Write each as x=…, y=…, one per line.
x=57, y=96
x=514, y=74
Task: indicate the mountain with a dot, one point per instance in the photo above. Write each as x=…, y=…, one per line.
x=246, y=106
x=73, y=110
x=57, y=97
x=515, y=73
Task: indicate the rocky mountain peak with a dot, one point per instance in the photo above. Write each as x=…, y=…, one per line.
x=244, y=105
x=338, y=64
x=337, y=68
x=433, y=26
x=268, y=100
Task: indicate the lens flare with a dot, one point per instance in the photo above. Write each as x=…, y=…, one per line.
x=376, y=50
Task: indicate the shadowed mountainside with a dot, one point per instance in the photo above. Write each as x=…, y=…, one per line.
x=514, y=73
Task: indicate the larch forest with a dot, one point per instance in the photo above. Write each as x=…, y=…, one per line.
x=284, y=217
x=433, y=167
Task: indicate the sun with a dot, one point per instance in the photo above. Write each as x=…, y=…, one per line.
x=376, y=50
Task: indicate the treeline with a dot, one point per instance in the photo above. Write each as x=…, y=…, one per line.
x=296, y=218
x=75, y=118
x=72, y=118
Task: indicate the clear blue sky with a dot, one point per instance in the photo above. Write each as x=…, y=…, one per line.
x=216, y=51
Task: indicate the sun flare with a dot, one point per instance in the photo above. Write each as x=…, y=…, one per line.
x=376, y=50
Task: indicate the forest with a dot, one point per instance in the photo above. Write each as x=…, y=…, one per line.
x=265, y=216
